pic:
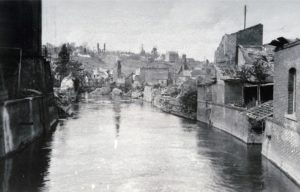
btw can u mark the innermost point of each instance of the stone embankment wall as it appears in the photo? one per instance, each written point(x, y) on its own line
point(212, 110)
point(233, 121)
point(281, 145)
point(23, 120)
point(229, 119)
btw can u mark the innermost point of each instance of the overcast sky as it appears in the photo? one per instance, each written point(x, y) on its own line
point(194, 27)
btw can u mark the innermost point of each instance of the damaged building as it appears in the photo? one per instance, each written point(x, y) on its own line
point(155, 73)
point(223, 100)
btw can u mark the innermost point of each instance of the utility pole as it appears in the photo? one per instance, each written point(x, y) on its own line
point(245, 16)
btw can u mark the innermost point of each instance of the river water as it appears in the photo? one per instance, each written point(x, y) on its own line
point(124, 146)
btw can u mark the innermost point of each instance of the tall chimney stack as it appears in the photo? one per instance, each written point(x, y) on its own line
point(98, 48)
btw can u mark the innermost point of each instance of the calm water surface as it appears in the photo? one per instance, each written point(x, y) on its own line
point(124, 146)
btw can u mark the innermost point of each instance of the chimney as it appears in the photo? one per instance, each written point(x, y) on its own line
point(119, 68)
point(104, 47)
point(184, 61)
point(98, 48)
point(184, 58)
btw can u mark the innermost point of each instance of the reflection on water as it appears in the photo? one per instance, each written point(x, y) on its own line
point(117, 115)
point(8, 139)
point(119, 145)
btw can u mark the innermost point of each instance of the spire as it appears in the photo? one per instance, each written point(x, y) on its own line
point(142, 50)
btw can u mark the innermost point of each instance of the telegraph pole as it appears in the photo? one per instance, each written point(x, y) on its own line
point(245, 16)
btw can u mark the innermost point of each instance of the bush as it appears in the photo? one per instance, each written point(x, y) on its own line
point(188, 102)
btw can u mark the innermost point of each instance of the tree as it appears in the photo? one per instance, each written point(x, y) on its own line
point(257, 73)
point(63, 60)
point(188, 102)
point(154, 52)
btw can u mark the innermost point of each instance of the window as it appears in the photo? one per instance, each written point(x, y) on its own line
point(292, 91)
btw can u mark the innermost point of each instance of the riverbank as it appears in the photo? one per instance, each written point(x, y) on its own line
point(165, 103)
point(172, 106)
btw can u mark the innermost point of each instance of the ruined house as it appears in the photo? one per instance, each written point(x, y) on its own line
point(282, 132)
point(154, 73)
point(188, 69)
point(222, 100)
point(98, 77)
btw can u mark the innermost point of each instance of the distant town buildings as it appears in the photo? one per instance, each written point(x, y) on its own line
point(172, 56)
point(99, 73)
point(155, 73)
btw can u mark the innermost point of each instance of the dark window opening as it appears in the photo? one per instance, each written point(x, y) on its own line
point(292, 91)
point(250, 96)
point(266, 93)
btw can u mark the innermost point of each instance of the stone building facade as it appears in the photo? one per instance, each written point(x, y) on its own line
point(281, 142)
point(155, 75)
